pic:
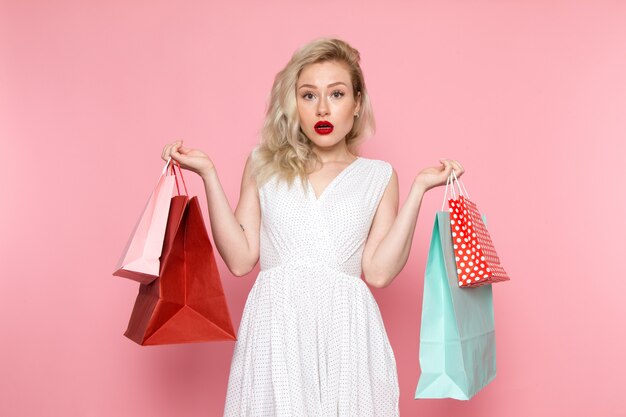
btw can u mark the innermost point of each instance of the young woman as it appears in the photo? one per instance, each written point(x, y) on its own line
point(311, 340)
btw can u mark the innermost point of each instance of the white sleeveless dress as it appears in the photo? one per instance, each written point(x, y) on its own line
point(311, 341)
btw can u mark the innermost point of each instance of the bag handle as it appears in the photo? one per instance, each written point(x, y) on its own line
point(450, 182)
point(458, 181)
point(167, 165)
point(173, 172)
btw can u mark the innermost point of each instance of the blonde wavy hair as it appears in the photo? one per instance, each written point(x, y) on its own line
point(284, 149)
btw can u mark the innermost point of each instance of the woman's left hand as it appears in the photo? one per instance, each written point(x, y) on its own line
point(435, 176)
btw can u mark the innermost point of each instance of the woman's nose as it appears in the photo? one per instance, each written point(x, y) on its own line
point(322, 108)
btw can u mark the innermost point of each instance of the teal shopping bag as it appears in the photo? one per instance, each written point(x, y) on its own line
point(457, 339)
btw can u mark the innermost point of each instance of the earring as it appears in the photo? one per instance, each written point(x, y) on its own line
point(356, 115)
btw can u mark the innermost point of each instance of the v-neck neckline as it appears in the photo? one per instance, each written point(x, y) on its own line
point(332, 182)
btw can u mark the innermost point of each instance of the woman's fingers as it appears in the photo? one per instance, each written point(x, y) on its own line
point(453, 164)
point(435, 176)
point(169, 150)
point(166, 151)
point(458, 168)
point(174, 152)
point(447, 166)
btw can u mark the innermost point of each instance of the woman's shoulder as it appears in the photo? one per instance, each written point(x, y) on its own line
point(381, 169)
point(379, 163)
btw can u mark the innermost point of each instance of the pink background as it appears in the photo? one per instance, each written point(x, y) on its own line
point(529, 96)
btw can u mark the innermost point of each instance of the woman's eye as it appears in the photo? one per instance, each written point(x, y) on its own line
point(334, 94)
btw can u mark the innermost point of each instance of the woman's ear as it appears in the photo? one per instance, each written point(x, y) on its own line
point(358, 102)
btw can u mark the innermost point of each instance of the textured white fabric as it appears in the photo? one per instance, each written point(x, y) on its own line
point(311, 340)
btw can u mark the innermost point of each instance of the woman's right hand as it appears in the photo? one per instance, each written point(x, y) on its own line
point(191, 159)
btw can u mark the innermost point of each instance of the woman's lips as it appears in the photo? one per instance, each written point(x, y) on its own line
point(323, 127)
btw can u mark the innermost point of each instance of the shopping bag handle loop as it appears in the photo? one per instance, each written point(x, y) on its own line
point(167, 165)
point(173, 172)
point(450, 182)
point(458, 181)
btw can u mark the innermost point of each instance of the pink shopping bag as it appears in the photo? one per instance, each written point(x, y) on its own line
point(140, 259)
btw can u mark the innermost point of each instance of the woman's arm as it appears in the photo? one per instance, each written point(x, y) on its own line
point(236, 235)
point(390, 238)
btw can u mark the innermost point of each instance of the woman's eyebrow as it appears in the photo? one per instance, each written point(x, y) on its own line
point(329, 85)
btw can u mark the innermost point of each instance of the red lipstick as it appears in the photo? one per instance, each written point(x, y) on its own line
point(323, 127)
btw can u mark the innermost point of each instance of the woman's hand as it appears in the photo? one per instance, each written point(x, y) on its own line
point(190, 159)
point(435, 176)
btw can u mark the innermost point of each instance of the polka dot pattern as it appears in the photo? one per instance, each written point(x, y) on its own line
point(312, 341)
point(476, 258)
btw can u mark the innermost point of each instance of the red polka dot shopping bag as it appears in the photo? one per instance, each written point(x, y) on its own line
point(476, 259)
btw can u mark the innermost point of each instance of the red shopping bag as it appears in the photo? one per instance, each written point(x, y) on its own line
point(186, 303)
point(140, 258)
point(476, 259)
